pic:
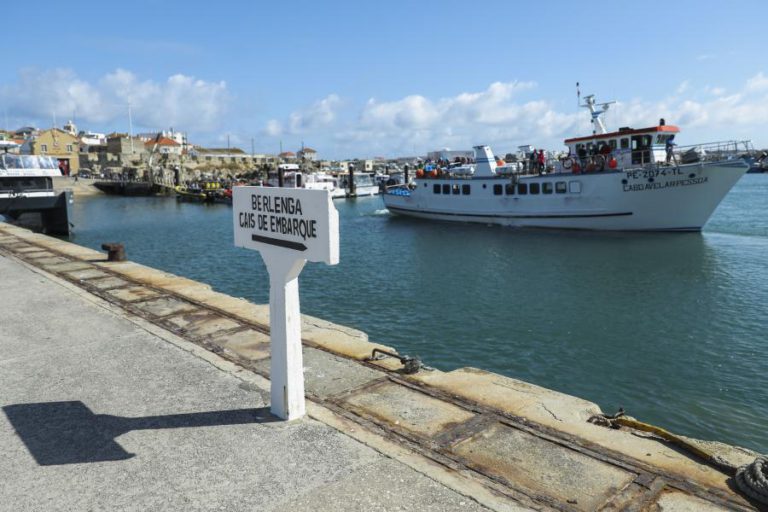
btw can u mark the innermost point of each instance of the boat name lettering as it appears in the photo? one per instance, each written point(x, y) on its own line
point(636, 187)
point(644, 174)
point(289, 205)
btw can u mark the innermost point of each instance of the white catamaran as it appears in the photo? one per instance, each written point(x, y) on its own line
point(630, 179)
point(27, 195)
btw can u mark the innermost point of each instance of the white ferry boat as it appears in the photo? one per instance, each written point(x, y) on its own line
point(27, 195)
point(627, 180)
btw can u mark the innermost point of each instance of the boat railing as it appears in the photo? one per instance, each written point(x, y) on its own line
point(713, 151)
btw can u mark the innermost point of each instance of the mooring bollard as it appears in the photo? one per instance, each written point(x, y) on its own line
point(115, 251)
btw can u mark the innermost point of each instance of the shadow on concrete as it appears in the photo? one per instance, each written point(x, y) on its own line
point(70, 433)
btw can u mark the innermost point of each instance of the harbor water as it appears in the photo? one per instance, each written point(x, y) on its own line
point(672, 327)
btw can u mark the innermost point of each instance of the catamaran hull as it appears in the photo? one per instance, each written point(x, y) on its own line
point(47, 211)
point(670, 198)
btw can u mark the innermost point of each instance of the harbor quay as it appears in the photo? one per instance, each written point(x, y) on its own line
point(123, 387)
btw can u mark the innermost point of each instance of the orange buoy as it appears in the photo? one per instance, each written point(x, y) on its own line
point(434, 173)
point(612, 163)
point(420, 173)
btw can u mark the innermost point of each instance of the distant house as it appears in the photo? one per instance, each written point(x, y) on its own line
point(307, 154)
point(125, 147)
point(363, 165)
point(164, 146)
point(287, 156)
point(59, 144)
point(179, 137)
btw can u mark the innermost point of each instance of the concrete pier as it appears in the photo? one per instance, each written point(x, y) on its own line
point(126, 388)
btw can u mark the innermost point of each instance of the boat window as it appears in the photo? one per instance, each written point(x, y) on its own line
point(497, 190)
point(547, 187)
point(510, 189)
point(641, 142)
point(522, 188)
point(436, 188)
point(534, 188)
point(612, 143)
point(465, 189)
point(662, 139)
point(455, 190)
point(446, 188)
point(574, 187)
point(560, 187)
point(625, 143)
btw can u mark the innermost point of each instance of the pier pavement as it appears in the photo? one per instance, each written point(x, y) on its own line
point(126, 388)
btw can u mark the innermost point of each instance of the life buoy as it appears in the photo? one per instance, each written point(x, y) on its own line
point(568, 163)
point(599, 163)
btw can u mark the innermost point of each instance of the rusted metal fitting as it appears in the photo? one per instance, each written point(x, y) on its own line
point(410, 364)
point(115, 251)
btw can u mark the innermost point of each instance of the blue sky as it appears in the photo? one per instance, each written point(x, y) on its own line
point(363, 79)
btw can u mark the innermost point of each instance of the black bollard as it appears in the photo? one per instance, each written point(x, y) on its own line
point(115, 251)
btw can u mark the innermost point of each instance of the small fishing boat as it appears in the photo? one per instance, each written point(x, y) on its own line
point(201, 192)
point(629, 179)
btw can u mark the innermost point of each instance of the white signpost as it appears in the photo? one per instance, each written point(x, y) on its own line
point(288, 227)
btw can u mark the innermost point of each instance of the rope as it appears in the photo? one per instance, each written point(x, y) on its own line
point(751, 479)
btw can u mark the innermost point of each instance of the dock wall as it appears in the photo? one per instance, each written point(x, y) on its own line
point(505, 442)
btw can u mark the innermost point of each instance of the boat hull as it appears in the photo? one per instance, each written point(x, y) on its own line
point(46, 211)
point(665, 198)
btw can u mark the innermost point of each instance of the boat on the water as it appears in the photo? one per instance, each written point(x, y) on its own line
point(360, 185)
point(626, 180)
point(126, 187)
point(27, 196)
point(292, 177)
point(203, 192)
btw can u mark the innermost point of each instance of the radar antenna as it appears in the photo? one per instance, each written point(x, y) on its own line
point(591, 104)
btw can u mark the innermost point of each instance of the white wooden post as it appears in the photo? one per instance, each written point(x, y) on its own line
point(286, 365)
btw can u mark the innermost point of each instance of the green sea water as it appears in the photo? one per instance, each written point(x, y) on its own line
point(672, 327)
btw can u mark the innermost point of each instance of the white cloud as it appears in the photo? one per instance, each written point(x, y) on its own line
point(501, 117)
point(179, 101)
point(759, 82)
point(321, 113)
point(274, 128)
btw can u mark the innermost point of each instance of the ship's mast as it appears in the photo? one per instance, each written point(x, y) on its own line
point(591, 104)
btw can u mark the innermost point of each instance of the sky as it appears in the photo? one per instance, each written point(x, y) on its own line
point(393, 78)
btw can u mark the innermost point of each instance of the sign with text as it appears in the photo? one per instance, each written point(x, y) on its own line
point(300, 221)
point(289, 227)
